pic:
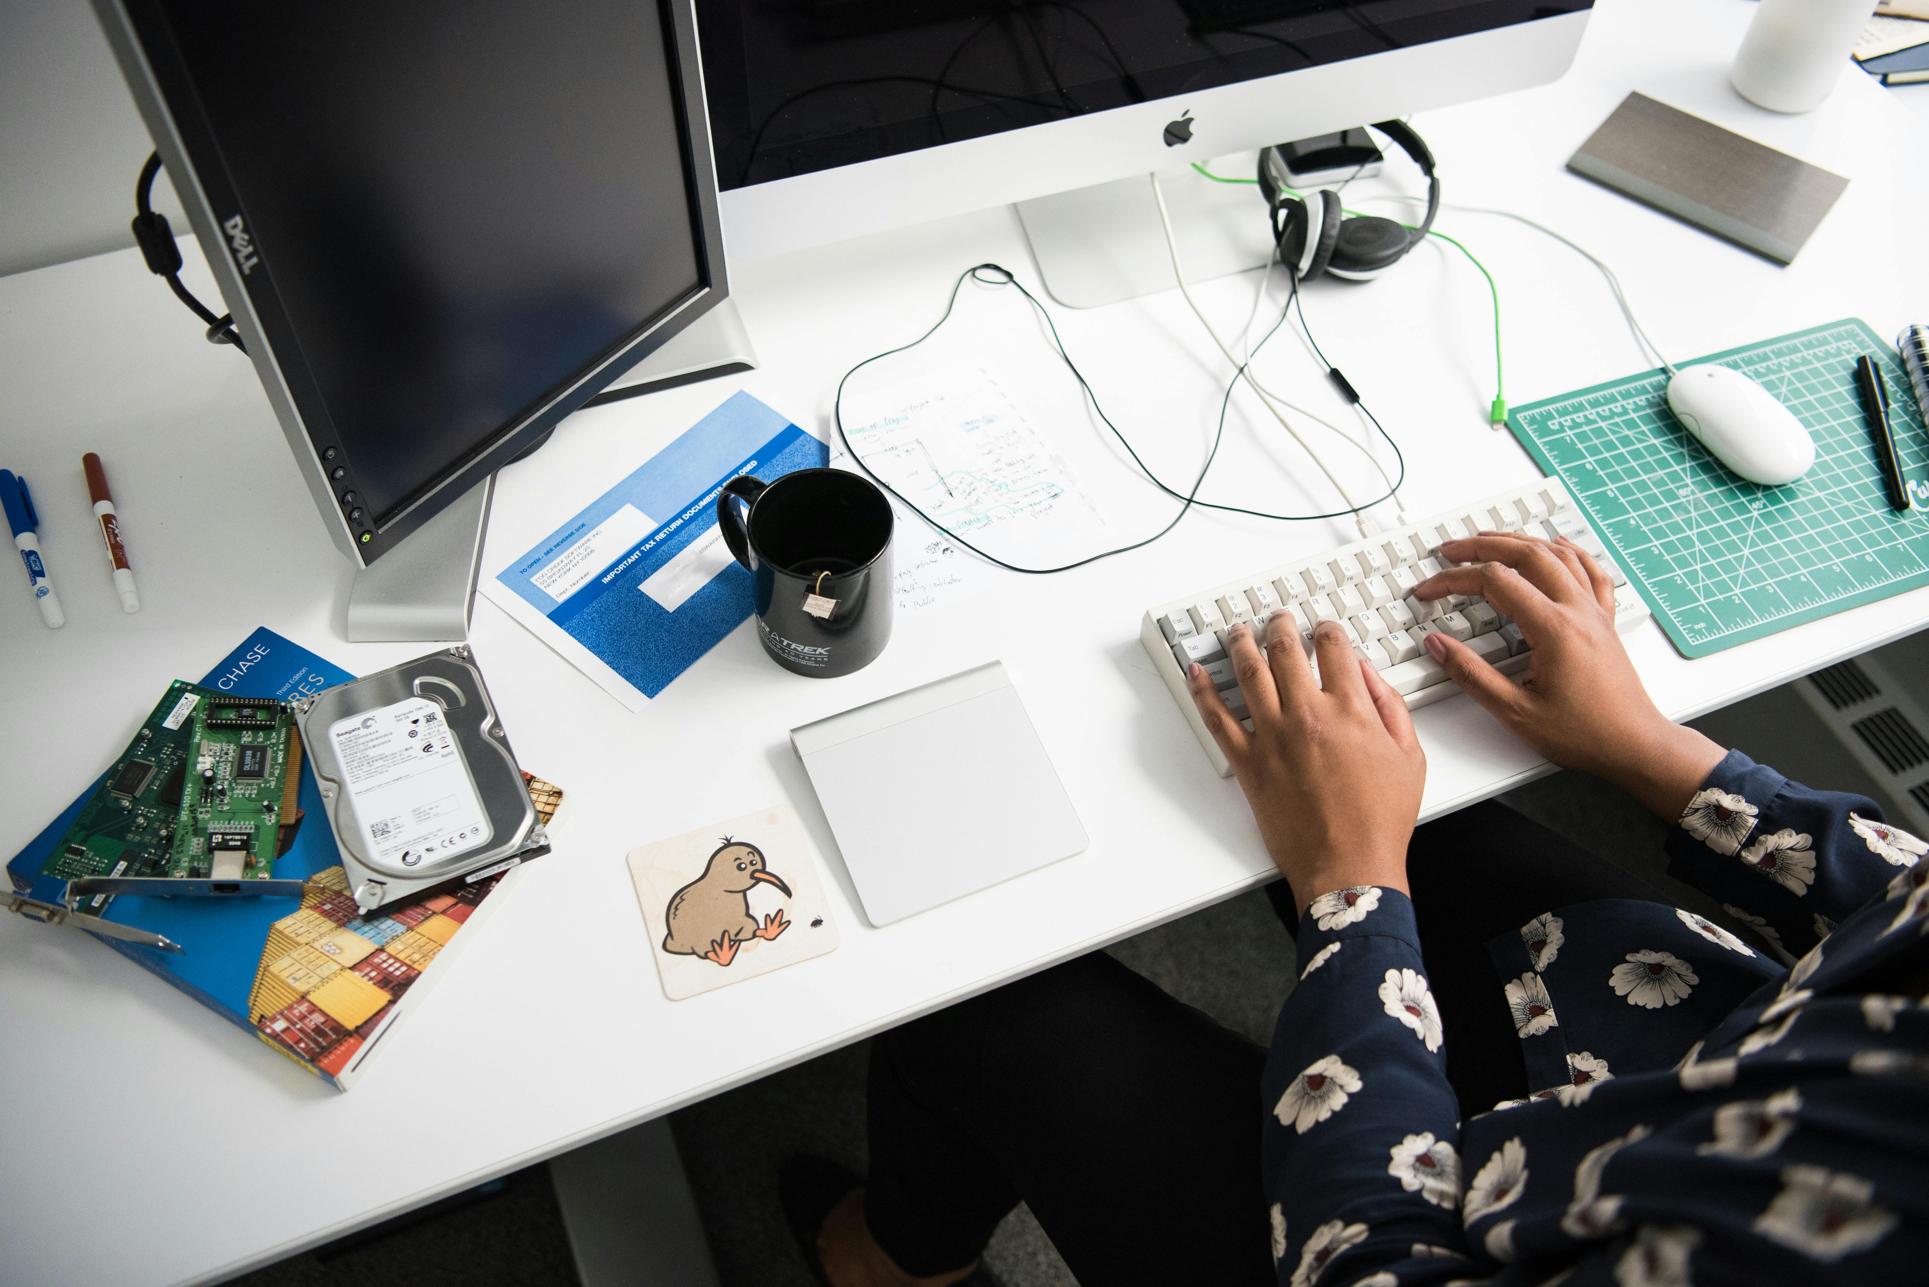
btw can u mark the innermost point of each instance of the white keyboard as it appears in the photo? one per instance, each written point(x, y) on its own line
point(1367, 587)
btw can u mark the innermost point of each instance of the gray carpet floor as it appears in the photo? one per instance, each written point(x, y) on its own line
point(513, 1233)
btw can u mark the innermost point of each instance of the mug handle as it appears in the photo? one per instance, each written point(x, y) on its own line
point(746, 489)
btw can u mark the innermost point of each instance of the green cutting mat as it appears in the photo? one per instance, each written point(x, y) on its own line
point(1722, 561)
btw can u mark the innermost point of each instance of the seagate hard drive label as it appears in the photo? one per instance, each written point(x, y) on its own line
point(404, 776)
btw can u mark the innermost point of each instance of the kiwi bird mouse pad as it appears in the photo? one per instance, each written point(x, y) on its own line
point(732, 901)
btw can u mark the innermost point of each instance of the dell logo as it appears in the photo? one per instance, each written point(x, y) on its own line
point(242, 244)
point(1179, 131)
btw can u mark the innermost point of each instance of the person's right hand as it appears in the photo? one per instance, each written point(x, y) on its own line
point(1579, 703)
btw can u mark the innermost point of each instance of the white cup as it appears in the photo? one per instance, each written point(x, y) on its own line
point(1796, 51)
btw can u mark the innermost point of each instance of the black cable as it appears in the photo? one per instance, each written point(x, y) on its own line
point(156, 241)
point(1004, 277)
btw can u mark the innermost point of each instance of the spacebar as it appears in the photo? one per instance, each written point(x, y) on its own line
point(1409, 677)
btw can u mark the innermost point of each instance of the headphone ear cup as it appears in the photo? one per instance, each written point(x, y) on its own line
point(1367, 246)
point(1290, 221)
point(1324, 235)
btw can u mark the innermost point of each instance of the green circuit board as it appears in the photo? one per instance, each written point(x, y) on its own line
point(202, 792)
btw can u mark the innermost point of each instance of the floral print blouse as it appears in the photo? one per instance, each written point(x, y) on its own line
point(1709, 1108)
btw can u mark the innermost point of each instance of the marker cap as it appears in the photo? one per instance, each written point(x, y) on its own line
point(18, 502)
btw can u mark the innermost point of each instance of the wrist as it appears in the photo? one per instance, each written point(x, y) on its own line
point(1673, 764)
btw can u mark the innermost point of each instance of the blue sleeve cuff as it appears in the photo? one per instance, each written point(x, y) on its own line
point(1358, 911)
point(1783, 858)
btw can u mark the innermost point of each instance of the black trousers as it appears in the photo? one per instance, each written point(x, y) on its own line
point(1130, 1123)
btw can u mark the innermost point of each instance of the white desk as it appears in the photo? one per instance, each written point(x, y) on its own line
point(147, 1141)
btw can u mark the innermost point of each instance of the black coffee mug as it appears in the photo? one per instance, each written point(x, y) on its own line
point(818, 543)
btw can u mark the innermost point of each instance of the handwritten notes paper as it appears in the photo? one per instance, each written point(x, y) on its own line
point(968, 456)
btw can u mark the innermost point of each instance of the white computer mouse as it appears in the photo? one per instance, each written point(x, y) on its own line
point(1741, 424)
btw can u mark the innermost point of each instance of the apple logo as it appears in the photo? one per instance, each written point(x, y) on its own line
point(1179, 131)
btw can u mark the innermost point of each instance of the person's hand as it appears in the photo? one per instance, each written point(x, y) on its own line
point(1332, 771)
point(1579, 703)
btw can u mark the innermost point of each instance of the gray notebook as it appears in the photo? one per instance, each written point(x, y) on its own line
point(1713, 178)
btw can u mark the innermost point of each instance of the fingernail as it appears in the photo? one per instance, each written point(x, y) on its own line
point(1194, 670)
point(1436, 645)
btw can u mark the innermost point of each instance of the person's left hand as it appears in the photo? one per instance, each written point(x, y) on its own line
point(1331, 768)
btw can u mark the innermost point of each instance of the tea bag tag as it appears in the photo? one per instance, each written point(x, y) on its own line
point(815, 603)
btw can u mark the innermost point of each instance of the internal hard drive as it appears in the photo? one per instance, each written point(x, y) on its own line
point(421, 786)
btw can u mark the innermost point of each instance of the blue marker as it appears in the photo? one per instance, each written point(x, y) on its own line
point(22, 519)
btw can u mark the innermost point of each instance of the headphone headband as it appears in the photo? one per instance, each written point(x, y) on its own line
point(1383, 241)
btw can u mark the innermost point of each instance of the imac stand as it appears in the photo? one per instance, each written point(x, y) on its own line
point(425, 588)
point(1103, 244)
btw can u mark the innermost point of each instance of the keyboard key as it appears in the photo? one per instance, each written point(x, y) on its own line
point(1457, 625)
point(1516, 642)
point(1371, 625)
point(1234, 608)
point(1320, 608)
point(1533, 507)
point(1373, 561)
point(1345, 571)
point(1301, 617)
point(1421, 631)
point(1401, 646)
point(1263, 600)
point(1430, 567)
point(1349, 601)
point(1289, 587)
point(1482, 617)
point(1409, 677)
point(1398, 615)
point(1378, 590)
point(1428, 609)
point(1204, 649)
point(1489, 647)
point(1404, 579)
point(1176, 625)
point(1318, 579)
point(1374, 653)
point(1220, 673)
point(1206, 619)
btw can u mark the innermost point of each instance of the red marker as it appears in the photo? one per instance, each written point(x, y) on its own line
point(110, 530)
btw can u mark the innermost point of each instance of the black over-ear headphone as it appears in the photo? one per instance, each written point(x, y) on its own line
point(1315, 236)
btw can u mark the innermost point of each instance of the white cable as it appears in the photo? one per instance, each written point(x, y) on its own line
point(1366, 427)
point(1178, 271)
point(1614, 282)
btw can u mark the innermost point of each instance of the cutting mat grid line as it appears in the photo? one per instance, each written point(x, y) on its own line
point(1722, 561)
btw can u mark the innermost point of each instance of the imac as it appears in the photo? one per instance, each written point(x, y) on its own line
point(441, 227)
point(835, 118)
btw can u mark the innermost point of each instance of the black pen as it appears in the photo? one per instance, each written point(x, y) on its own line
point(1875, 405)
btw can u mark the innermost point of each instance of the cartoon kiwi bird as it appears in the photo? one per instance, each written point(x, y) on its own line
point(710, 916)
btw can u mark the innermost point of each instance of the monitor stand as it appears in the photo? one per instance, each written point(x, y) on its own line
point(1103, 244)
point(424, 590)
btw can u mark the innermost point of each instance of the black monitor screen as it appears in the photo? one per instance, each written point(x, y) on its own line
point(460, 208)
point(802, 85)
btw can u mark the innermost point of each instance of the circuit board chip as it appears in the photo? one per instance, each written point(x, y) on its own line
point(237, 714)
point(132, 778)
point(252, 763)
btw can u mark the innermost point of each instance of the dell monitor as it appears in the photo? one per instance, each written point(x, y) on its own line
point(441, 227)
point(833, 118)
